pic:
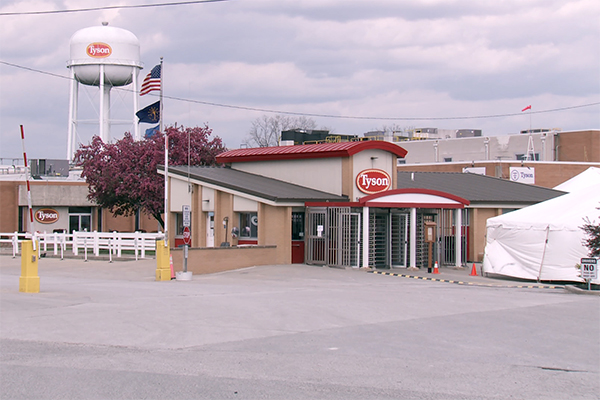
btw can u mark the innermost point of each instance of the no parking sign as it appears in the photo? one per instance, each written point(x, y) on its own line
point(589, 268)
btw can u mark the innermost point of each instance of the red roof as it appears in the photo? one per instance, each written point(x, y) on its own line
point(322, 150)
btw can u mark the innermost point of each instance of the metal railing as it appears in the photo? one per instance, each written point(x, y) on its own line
point(110, 243)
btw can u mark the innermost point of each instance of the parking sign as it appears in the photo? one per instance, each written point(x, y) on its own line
point(186, 216)
point(589, 268)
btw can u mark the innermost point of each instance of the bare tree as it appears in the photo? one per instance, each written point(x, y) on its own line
point(393, 128)
point(265, 130)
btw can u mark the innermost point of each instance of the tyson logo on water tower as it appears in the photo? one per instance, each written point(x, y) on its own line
point(98, 50)
point(372, 181)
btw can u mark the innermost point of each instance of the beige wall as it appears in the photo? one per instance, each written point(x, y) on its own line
point(218, 259)
point(477, 233)
point(368, 159)
point(323, 174)
point(275, 228)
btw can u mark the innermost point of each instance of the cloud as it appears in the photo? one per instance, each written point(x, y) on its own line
point(427, 58)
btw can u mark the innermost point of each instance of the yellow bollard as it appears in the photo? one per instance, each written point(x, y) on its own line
point(163, 266)
point(29, 282)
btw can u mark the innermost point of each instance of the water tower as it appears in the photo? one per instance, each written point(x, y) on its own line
point(102, 56)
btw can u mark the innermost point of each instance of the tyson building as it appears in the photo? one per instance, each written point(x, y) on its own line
point(335, 204)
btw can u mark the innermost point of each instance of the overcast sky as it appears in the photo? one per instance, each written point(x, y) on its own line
point(353, 66)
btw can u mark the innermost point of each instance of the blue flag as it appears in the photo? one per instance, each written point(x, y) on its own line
point(150, 114)
point(151, 132)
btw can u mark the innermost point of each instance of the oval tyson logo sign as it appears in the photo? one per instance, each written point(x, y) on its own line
point(98, 50)
point(46, 215)
point(372, 181)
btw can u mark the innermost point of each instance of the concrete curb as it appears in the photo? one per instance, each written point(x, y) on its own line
point(576, 290)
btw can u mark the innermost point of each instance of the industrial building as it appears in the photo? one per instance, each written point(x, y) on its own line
point(336, 204)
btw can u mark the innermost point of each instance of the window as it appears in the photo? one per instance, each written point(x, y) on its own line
point(447, 159)
point(523, 157)
point(249, 225)
point(179, 223)
point(80, 219)
point(297, 225)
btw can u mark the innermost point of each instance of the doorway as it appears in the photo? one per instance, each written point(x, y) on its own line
point(388, 238)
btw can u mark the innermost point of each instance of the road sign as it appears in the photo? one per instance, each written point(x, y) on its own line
point(187, 236)
point(589, 268)
point(187, 210)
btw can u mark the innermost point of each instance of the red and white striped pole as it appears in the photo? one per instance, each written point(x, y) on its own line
point(28, 187)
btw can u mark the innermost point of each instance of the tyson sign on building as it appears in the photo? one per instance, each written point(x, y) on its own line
point(372, 181)
point(46, 216)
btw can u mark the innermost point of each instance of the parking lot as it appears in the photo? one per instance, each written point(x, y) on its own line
point(100, 330)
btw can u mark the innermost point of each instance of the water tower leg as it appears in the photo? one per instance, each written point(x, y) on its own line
point(73, 100)
point(106, 116)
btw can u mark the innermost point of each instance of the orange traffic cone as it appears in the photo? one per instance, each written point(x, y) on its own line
point(473, 271)
point(171, 261)
point(435, 268)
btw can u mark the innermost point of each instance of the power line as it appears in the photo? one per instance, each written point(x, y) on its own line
point(75, 10)
point(357, 117)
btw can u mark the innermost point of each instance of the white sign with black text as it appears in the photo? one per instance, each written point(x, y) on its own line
point(187, 220)
point(522, 175)
point(589, 268)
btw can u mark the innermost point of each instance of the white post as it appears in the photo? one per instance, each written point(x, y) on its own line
point(75, 244)
point(85, 246)
point(143, 246)
point(15, 243)
point(55, 242)
point(458, 236)
point(413, 238)
point(96, 243)
point(365, 237)
point(119, 245)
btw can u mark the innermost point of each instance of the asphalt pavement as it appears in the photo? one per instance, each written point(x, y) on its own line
point(100, 330)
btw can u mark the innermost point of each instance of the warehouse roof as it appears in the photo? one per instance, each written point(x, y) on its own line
point(306, 151)
point(477, 188)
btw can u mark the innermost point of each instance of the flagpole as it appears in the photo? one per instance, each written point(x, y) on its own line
point(162, 77)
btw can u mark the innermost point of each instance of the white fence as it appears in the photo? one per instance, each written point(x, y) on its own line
point(114, 243)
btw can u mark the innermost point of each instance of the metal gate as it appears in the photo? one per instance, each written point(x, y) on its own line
point(333, 236)
point(399, 240)
point(447, 229)
point(388, 239)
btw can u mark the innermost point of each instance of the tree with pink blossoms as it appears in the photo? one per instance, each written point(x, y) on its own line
point(122, 176)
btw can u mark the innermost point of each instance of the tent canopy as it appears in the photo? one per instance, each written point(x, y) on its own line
point(545, 241)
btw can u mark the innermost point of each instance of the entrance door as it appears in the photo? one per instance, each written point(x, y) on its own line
point(399, 240)
point(388, 238)
point(297, 237)
point(80, 219)
point(333, 237)
point(316, 222)
point(210, 229)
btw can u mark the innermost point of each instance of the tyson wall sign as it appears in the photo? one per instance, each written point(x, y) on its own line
point(46, 215)
point(372, 181)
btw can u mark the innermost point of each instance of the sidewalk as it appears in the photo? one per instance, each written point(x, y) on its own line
point(462, 276)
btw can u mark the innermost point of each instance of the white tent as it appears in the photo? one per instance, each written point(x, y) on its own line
point(545, 241)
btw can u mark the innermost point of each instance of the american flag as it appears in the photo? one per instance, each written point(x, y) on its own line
point(151, 82)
